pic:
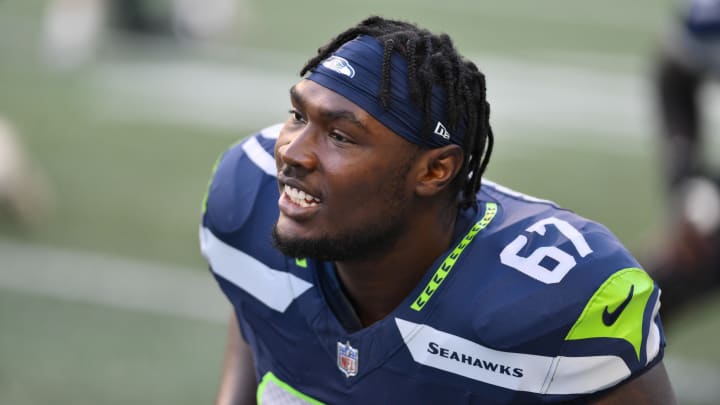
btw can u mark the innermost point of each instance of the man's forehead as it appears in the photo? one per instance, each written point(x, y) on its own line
point(335, 107)
point(306, 89)
point(328, 103)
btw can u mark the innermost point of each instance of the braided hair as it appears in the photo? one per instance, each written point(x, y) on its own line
point(432, 60)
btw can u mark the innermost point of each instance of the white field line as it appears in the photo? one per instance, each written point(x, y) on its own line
point(192, 294)
point(526, 98)
point(523, 97)
point(121, 283)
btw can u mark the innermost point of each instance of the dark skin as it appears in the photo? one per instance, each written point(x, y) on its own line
point(335, 151)
point(238, 383)
point(339, 154)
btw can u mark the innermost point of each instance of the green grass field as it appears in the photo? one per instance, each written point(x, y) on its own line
point(127, 141)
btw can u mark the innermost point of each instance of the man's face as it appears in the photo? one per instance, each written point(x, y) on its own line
point(344, 187)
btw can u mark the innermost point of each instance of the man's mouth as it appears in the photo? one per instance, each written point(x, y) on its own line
point(300, 197)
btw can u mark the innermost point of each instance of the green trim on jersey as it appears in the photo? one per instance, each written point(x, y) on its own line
point(207, 189)
point(212, 173)
point(617, 308)
point(301, 262)
point(447, 264)
point(269, 379)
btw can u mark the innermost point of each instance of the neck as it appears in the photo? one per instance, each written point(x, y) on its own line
point(377, 285)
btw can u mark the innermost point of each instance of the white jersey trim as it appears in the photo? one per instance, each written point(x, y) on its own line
point(653, 341)
point(271, 132)
point(513, 193)
point(516, 371)
point(260, 156)
point(274, 288)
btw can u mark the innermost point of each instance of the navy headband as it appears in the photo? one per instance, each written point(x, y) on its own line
point(355, 72)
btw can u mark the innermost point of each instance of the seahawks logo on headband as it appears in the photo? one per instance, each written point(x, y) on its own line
point(361, 60)
point(340, 65)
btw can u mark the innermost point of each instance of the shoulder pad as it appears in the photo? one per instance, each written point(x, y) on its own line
point(617, 310)
point(243, 177)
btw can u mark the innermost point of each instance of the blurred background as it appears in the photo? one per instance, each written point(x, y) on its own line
point(113, 112)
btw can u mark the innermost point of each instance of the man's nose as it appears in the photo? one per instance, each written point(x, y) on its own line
point(298, 148)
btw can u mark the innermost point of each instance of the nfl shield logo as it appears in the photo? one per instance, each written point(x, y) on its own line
point(347, 359)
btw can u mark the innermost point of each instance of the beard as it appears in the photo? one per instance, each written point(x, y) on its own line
point(369, 241)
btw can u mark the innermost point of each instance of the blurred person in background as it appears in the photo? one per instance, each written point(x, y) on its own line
point(686, 260)
point(73, 28)
point(395, 273)
point(24, 194)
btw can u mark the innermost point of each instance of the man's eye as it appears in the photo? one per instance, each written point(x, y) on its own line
point(296, 116)
point(339, 137)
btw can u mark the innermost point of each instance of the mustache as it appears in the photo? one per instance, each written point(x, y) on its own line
point(291, 171)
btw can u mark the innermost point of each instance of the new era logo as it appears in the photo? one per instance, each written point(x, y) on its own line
point(442, 131)
point(340, 65)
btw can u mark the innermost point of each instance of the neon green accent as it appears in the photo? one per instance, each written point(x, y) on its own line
point(207, 189)
point(269, 376)
point(447, 264)
point(301, 262)
point(610, 295)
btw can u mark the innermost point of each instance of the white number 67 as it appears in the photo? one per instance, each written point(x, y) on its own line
point(531, 265)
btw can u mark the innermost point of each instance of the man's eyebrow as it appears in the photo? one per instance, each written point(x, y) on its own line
point(330, 115)
point(296, 97)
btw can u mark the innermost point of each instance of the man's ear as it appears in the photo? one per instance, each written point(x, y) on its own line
point(439, 166)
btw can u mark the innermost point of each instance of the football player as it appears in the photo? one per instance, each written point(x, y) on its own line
point(368, 261)
point(686, 261)
point(24, 191)
point(73, 28)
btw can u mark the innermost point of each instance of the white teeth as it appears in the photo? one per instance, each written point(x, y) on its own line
point(300, 197)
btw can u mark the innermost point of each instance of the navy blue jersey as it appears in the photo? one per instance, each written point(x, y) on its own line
point(530, 304)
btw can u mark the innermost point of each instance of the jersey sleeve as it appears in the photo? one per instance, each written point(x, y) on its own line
point(582, 302)
point(614, 320)
point(242, 178)
point(238, 216)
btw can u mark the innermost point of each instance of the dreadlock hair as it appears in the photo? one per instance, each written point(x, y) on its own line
point(432, 60)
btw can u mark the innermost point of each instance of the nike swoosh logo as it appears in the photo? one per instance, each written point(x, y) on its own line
point(609, 318)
